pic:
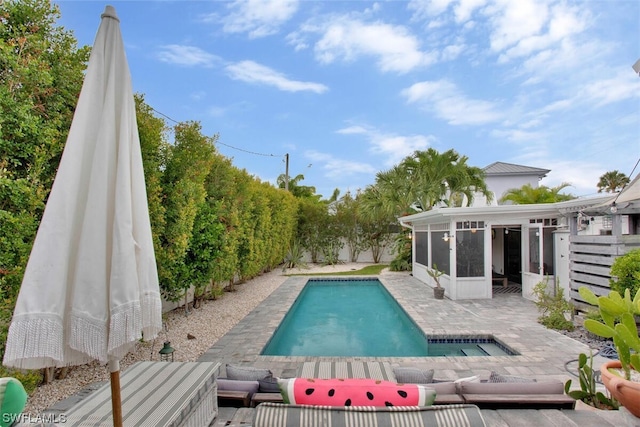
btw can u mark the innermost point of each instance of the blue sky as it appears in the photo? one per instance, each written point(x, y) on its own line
point(349, 88)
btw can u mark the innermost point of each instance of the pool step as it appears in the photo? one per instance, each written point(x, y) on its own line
point(492, 349)
point(473, 351)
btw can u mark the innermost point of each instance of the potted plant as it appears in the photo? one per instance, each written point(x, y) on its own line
point(438, 291)
point(621, 377)
point(588, 394)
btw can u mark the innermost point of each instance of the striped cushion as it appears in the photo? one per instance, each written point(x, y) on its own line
point(357, 369)
point(154, 394)
point(283, 415)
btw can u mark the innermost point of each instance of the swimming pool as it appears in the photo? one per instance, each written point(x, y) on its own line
point(358, 317)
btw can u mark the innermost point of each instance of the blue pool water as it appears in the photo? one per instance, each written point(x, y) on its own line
point(360, 318)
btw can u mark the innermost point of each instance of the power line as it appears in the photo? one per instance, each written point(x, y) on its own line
point(219, 142)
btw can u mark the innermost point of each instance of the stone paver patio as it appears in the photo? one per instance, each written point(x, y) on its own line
point(509, 318)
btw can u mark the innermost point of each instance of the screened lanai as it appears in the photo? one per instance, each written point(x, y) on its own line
point(481, 249)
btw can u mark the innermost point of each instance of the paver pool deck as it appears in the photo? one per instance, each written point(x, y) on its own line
point(509, 318)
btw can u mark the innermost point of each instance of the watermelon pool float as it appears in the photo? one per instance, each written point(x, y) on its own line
point(353, 392)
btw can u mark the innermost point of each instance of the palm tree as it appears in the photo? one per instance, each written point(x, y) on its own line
point(443, 177)
point(612, 182)
point(294, 186)
point(527, 195)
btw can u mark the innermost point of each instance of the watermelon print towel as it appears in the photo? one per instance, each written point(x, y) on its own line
point(353, 392)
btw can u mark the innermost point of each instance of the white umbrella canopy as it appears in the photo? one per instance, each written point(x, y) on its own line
point(90, 288)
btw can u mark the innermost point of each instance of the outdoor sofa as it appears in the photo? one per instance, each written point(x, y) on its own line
point(496, 392)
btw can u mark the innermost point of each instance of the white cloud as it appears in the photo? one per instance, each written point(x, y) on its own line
point(446, 101)
point(252, 72)
point(338, 168)
point(352, 130)
point(424, 9)
point(465, 8)
point(517, 135)
point(393, 46)
point(189, 56)
point(583, 176)
point(258, 18)
point(515, 21)
point(623, 85)
point(393, 147)
point(348, 39)
point(550, 28)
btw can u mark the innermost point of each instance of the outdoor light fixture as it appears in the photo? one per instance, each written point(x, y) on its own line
point(614, 208)
point(447, 236)
point(506, 231)
point(166, 353)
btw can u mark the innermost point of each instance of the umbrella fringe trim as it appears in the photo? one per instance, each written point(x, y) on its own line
point(151, 315)
point(88, 336)
point(125, 328)
point(29, 344)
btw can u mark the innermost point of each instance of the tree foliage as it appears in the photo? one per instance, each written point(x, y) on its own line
point(41, 73)
point(527, 195)
point(423, 180)
point(612, 182)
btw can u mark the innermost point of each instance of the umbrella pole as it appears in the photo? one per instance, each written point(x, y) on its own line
point(116, 401)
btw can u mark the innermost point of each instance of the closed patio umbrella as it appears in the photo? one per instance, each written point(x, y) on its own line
point(90, 288)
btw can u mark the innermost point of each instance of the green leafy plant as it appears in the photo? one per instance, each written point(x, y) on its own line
point(618, 315)
point(294, 256)
point(435, 274)
point(588, 392)
point(552, 306)
point(625, 272)
point(402, 246)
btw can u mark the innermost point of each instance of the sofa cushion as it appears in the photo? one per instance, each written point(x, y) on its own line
point(546, 387)
point(246, 373)
point(448, 387)
point(269, 385)
point(499, 378)
point(250, 387)
point(413, 375)
point(354, 392)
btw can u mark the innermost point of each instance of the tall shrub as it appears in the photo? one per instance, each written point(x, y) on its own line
point(625, 272)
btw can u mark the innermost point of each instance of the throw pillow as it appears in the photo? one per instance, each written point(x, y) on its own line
point(269, 385)
point(499, 378)
point(247, 373)
point(413, 375)
point(354, 392)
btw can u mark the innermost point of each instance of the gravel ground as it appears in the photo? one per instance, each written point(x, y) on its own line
point(206, 324)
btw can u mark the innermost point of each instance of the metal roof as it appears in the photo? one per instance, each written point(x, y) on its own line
point(501, 168)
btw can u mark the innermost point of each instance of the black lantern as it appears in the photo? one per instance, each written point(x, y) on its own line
point(166, 353)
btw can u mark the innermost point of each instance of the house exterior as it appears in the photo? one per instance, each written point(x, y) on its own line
point(481, 245)
point(501, 177)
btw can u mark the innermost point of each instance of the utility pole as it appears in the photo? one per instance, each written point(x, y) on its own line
point(286, 172)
